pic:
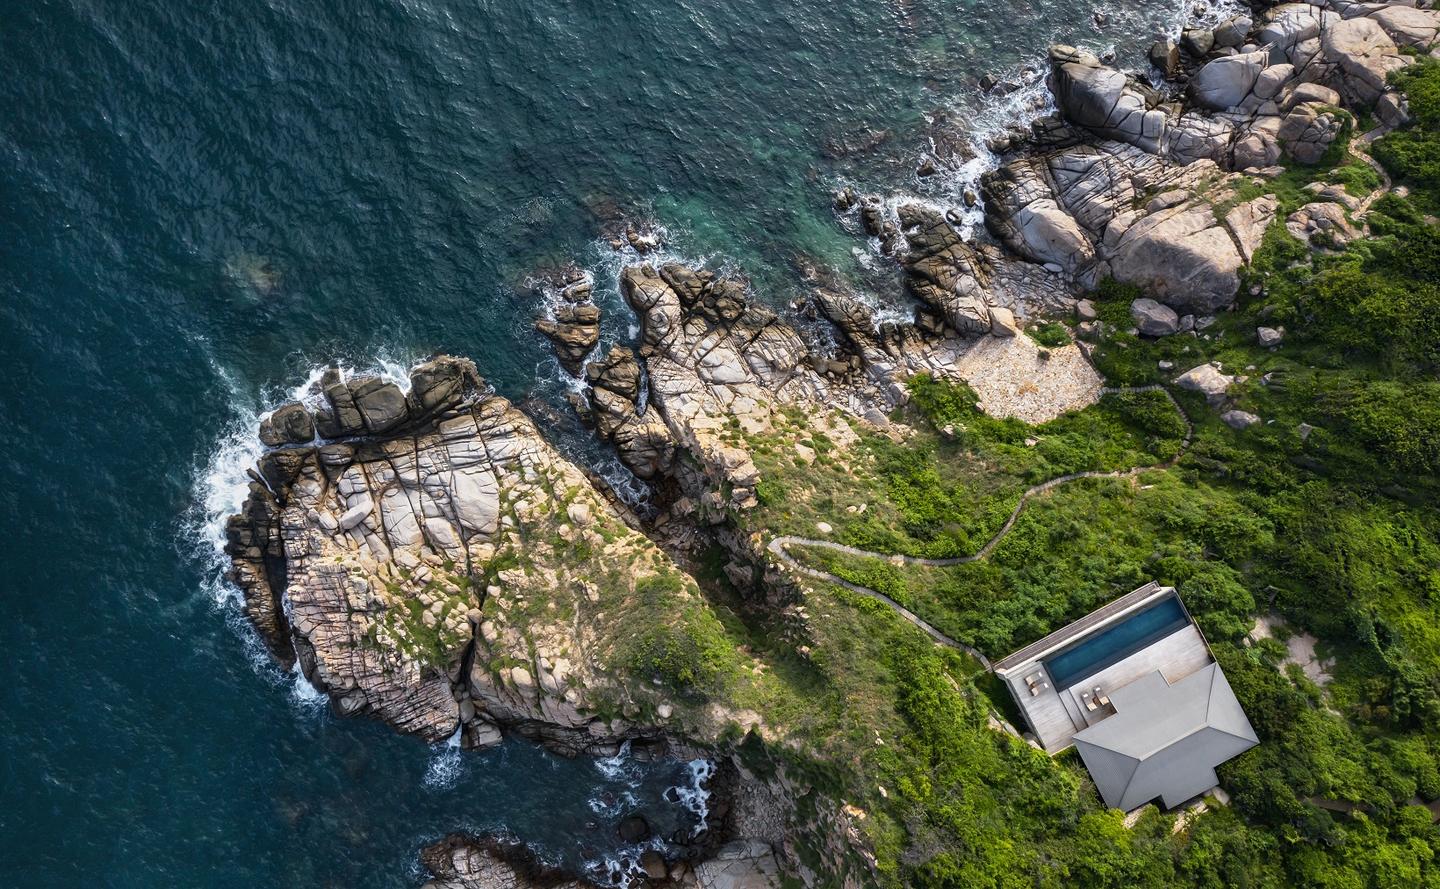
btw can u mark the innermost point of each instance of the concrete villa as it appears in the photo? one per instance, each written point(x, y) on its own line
point(1134, 687)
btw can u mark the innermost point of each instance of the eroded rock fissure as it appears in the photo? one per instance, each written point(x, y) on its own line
point(1131, 182)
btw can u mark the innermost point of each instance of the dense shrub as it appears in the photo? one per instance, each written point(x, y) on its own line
point(1219, 600)
point(1383, 297)
point(689, 653)
point(1150, 412)
point(942, 403)
point(1051, 334)
point(1398, 423)
point(1412, 155)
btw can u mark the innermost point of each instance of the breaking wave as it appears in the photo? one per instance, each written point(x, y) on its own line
point(695, 796)
point(221, 483)
point(446, 766)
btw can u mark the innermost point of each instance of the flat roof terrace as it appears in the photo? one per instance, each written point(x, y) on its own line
point(1149, 635)
point(1105, 614)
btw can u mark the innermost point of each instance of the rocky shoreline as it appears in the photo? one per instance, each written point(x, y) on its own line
point(430, 560)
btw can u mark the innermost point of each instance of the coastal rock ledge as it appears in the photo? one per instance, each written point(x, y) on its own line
point(425, 557)
point(430, 560)
point(466, 862)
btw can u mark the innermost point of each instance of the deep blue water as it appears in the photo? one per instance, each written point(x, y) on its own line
point(201, 201)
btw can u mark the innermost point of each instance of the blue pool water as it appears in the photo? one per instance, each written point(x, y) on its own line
point(1113, 645)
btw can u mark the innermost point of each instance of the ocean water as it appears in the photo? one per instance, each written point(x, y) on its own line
point(201, 202)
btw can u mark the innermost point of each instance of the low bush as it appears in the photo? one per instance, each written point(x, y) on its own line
point(689, 651)
point(1412, 155)
point(1050, 334)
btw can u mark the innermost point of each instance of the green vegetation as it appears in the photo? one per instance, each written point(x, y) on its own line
point(1379, 301)
point(1252, 522)
point(689, 653)
point(434, 641)
point(1412, 155)
point(1326, 516)
point(1336, 167)
point(1050, 334)
point(945, 489)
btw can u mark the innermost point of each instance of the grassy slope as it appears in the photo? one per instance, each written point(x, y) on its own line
point(944, 494)
point(1338, 530)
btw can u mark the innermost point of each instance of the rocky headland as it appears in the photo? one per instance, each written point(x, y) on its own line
point(430, 560)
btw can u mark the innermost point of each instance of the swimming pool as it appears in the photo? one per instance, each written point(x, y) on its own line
point(1115, 643)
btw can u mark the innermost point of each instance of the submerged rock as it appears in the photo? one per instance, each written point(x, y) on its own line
point(1165, 55)
point(573, 325)
point(633, 829)
point(467, 862)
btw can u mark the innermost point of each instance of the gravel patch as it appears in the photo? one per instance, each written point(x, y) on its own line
point(1012, 380)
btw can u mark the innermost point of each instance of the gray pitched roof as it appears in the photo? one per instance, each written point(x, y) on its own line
point(1165, 740)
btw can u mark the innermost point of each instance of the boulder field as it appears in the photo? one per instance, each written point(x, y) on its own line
point(429, 559)
point(1145, 185)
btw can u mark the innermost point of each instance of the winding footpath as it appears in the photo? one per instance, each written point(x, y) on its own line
point(1385, 183)
point(1359, 148)
point(778, 546)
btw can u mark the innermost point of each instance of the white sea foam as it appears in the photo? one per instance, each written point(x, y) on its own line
point(695, 796)
point(995, 115)
point(221, 485)
point(608, 800)
point(605, 272)
point(618, 767)
point(609, 804)
point(610, 263)
point(622, 866)
point(303, 693)
point(446, 766)
point(633, 492)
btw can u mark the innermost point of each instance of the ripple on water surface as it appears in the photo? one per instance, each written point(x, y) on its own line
point(204, 203)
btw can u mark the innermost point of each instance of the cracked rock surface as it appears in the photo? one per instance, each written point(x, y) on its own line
point(1139, 183)
point(439, 566)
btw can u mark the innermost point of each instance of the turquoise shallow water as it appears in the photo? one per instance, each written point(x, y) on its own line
point(202, 201)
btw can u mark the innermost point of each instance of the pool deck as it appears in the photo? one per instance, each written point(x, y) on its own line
point(1105, 614)
point(1057, 714)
